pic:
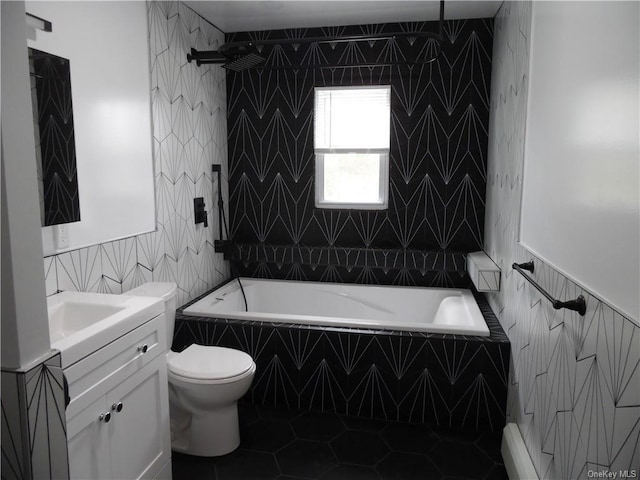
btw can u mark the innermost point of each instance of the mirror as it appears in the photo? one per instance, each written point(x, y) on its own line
point(54, 138)
point(107, 45)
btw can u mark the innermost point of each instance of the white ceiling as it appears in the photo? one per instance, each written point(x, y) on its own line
point(249, 15)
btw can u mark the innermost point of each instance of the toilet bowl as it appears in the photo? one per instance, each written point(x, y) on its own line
point(205, 384)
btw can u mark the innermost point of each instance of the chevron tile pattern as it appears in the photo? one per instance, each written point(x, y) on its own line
point(438, 147)
point(47, 423)
point(55, 140)
point(574, 389)
point(33, 423)
point(189, 135)
point(444, 380)
point(351, 265)
point(14, 456)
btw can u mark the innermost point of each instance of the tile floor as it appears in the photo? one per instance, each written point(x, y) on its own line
point(290, 445)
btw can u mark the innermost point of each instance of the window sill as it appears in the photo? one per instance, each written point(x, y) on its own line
point(351, 206)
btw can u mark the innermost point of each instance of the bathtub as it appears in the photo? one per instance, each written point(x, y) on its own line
point(416, 309)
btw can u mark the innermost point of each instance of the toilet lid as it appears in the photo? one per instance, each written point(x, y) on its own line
point(198, 361)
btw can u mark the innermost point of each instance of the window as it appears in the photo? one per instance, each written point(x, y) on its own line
point(352, 147)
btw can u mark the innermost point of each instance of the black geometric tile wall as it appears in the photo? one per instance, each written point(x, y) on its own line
point(574, 389)
point(439, 119)
point(33, 422)
point(55, 142)
point(447, 380)
point(351, 265)
point(189, 135)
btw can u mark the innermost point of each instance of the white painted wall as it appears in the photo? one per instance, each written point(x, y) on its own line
point(574, 388)
point(25, 329)
point(108, 48)
point(580, 205)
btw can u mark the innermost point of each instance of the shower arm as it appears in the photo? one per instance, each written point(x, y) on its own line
point(224, 53)
point(218, 57)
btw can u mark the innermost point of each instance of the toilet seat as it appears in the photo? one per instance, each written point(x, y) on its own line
point(202, 363)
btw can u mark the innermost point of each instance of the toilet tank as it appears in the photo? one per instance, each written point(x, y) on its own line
point(166, 291)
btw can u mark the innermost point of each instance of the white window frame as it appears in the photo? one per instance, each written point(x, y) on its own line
point(383, 181)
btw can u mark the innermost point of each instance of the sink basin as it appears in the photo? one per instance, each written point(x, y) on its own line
point(81, 323)
point(68, 318)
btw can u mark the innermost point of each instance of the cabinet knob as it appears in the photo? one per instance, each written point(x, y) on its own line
point(105, 417)
point(143, 348)
point(117, 407)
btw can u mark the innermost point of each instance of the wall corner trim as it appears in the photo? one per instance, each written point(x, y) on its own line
point(515, 455)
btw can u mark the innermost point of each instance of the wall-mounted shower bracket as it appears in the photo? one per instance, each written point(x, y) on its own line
point(224, 247)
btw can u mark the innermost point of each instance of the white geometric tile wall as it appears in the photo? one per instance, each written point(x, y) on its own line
point(33, 422)
point(189, 135)
point(575, 380)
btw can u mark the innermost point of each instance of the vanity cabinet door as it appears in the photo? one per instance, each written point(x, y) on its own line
point(88, 443)
point(139, 437)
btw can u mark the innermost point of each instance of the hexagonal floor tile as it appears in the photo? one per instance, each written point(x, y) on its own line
point(405, 437)
point(490, 443)
point(248, 414)
point(446, 456)
point(366, 424)
point(188, 466)
point(351, 472)
point(246, 464)
point(317, 426)
point(362, 448)
point(407, 466)
point(304, 458)
point(267, 435)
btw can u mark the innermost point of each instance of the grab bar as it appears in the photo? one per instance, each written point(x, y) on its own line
point(579, 305)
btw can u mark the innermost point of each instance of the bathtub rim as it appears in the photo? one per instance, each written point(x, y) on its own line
point(496, 332)
point(473, 328)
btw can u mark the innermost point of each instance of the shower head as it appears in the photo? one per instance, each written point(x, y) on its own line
point(235, 59)
point(243, 62)
point(240, 57)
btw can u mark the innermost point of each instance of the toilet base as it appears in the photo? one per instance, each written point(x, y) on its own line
point(207, 435)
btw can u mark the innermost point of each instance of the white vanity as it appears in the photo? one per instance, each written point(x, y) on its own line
point(113, 354)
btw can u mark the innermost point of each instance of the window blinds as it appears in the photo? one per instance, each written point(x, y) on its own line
point(355, 118)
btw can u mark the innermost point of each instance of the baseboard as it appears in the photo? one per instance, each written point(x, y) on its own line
point(515, 455)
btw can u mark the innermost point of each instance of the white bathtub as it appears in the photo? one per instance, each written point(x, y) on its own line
point(417, 309)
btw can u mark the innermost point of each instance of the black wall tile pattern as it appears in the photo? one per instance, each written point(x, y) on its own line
point(453, 381)
point(55, 145)
point(351, 265)
point(439, 122)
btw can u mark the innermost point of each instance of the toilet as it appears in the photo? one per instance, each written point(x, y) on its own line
point(205, 384)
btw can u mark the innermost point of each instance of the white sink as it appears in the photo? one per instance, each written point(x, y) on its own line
point(81, 323)
point(68, 318)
